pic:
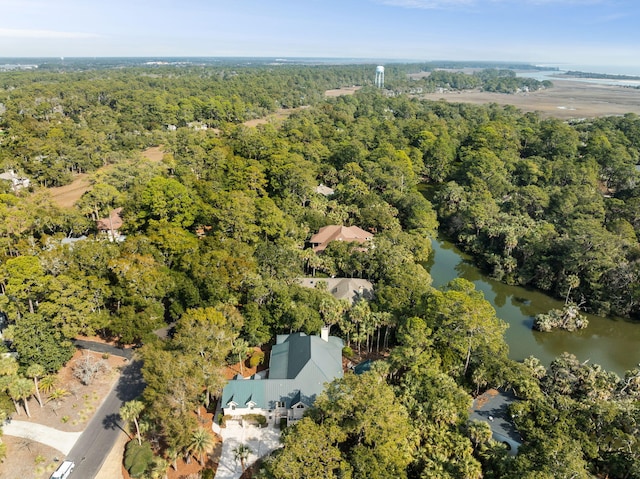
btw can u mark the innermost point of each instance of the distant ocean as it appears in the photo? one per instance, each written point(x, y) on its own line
point(552, 75)
point(631, 70)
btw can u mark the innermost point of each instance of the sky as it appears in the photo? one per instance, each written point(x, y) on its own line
point(584, 32)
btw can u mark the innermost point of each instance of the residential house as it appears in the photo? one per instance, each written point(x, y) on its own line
point(327, 234)
point(299, 367)
point(17, 182)
point(492, 407)
point(350, 289)
point(110, 226)
point(324, 190)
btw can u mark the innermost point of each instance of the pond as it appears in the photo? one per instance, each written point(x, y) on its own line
point(612, 343)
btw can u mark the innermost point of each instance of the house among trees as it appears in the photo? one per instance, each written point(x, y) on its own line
point(327, 234)
point(17, 182)
point(299, 367)
point(351, 289)
point(110, 226)
point(324, 190)
point(492, 407)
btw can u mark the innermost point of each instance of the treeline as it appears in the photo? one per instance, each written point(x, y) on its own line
point(492, 80)
point(217, 232)
point(605, 76)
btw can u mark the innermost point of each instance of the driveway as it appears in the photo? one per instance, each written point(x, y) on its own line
point(60, 440)
point(261, 441)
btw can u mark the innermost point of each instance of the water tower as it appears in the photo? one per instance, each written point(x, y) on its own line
point(380, 76)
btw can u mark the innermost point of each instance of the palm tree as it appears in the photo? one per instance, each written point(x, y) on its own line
point(130, 411)
point(47, 383)
point(159, 468)
point(201, 442)
point(36, 371)
point(172, 455)
point(21, 389)
point(241, 453)
point(58, 393)
point(573, 281)
point(241, 348)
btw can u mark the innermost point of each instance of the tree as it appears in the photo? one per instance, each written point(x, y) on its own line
point(130, 411)
point(465, 325)
point(367, 414)
point(309, 452)
point(241, 348)
point(206, 337)
point(241, 453)
point(201, 442)
point(21, 389)
point(166, 200)
point(38, 341)
point(36, 372)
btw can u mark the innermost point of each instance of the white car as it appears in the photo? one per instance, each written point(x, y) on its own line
point(64, 471)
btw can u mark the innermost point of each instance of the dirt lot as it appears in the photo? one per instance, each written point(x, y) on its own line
point(566, 100)
point(350, 90)
point(67, 195)
point(276, 117)
point(28, 459)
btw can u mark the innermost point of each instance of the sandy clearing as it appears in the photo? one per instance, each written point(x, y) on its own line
point(154, 153)
point(566, 100)
point(278, 116)
point(67, 195)
point(349, 90)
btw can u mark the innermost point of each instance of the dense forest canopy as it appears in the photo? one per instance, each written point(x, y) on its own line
point(217, 232)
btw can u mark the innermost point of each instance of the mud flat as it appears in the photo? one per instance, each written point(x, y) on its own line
point(565, 100)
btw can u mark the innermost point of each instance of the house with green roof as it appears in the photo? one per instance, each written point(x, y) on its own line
point(299, 367)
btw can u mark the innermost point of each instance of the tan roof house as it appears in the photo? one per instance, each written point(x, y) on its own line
point(350, 289)
point(327, 234)
point(111, 225)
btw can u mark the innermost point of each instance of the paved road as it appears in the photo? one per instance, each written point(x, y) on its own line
point(100, 435)
point(104, 348)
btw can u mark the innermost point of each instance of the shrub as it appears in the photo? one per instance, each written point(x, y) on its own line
point(224, 419)
point(137, 458)
point(207, 474)
point(259, 418)
point(256, 359)
point(283, 423)
point(87, 369)
point(347, 352)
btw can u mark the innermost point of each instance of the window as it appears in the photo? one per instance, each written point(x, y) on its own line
point(300, 406)
point(279, 404)
point(233, 407)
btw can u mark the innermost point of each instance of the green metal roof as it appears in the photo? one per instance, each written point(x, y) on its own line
point(299, 367)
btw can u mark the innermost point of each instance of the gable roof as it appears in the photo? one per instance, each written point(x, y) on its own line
point(342, 288)
point(299, 367)
point(330, 233)
point(112, 223)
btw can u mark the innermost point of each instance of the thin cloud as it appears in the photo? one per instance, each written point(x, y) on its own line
point(442, 4)
point(427, 4)
point(42, 34)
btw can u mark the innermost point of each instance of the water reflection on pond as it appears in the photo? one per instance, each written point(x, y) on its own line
point(612, 343)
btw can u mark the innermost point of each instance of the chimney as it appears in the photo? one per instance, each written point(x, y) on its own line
point(324, 333)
